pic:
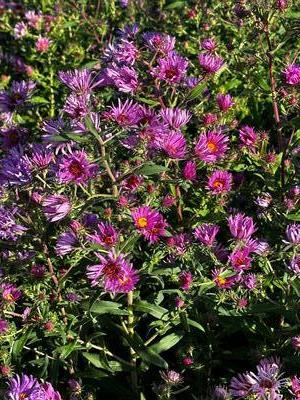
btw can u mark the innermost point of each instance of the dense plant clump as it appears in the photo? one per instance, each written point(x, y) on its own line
point(149, 186)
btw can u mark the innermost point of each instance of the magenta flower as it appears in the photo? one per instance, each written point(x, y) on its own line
point(3, 326)
point(33, 19)
point(211, 146)
point(124, 78)
point(49, 392)
point(249, 281)
point(210, 63)
point(296, 386)
point(75, 168)
point(38, 271)
point(175, 117)
point(132, 183)
point(219, 182)
point(56, 207)
point(124, 52)
point(293, 234)
point(190, 171)
point(240, 259)
point(295, 341)
point(124, 114)
point(171, 69)
point(114, 273)
point(20, 30)
point(105, 235)
point(209, 119)
point(185, 280)
point(241, 227)
point(173, 144)
point(292, 74)
point(76, 106)
point(248, 137)
point(295, 265)
point(42, 44)
point(209, 44)
point(149, 223)
point(224, 102)
point(221, 281)
point(10, 292)
point(206, 234)
point(159, 42)
point(80, 81)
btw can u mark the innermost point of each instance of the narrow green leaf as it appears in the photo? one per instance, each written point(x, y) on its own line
point(152, 309)
point(107, 307)
point(151, 169)
point(167, 342)
point(196, 91)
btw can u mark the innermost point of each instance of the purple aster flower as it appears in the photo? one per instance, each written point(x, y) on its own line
point(9, 229)
point(282, 4)
point(66, 243)
point(171, 377)
point(295, 341)
point(175, 117)
point(80, 81)
point(209, 119)
point(206, 233)
point(132, 183)
point(124, 3)
point(178, 243)
point(114, 272)
point(265, 383)
point(38, 271)
point(191, 81)
point(241, 227)
point(159, 42)
point(15, 168)
point(12, 136)
point(185, 280)
point(190, 171)
point(16, 96)
point(219, 182)
point(42, 44)
point(41, 157)
point(105, 235)
point(221, 281)
point(295, 265)
point(224, 102)
point(53, 128)
point(293, 234)
point(123, 52)
point(3, 326)
point(220, 252)
point(210, 63)
point(240, 259)
point(264, 200)
point(149, 223)
point(124, 114)
point(295, 383)
point(75, 168)
point(129, 31)
point(76, 106)
point(248, 137)
point(124, 78)
point(74, 385)
point(292, 74)
point(249, 281)
point(24, 387)
point(56, 207)
point(171, 69)
point(73, 297)
point(209, 44)
point(211, 146)
point(173, 144)
point(20, 30)
point(10, 292)
point(220, 393)
point(49, 392)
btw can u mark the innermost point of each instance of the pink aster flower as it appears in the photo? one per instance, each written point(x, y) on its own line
point(20, 30)
point(248, 137)
point(209, 44)
point(114, 273)
point(105, 235)
point(75, 168)
point(159, 42)
point(33, 18)
point(173, 144)
point(175, 117)
point(77, 106)
point(211, 146)
point(210, 63)
point(293, 234)
point(224, 102)
point(209, 119)
point(249, 281)
point(295, 265)
point(80, 81)
point(123, 77)
point(3, 326)
point(241, 227)
point(219, 182)
point(56, 207)
point(296, 386)
point(189, 171)
point(240, 259)
point(132, 183)
point(42, 44)
point(124, 114)
point(10, 292)
point(206, 233)
point(149, 222)
point(292, 74)
point(221, 281)
point(171, 69)
point(185, 280)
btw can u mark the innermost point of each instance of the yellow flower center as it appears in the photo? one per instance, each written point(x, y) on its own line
point(218, 184)
point(8, 297)
point(212, 147)
point(220, 280)
point(142, 222)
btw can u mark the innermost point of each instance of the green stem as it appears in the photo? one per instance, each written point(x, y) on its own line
point(134, 379)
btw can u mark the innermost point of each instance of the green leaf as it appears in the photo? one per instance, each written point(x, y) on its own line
point(149, 101)
point(90, 126)
point(151, 169)
point(129, 244)
point(152, 309)
point(295, 122)
point(196, 91)
point(175, 4)
point(107, 307)
point(195, 324)
point(167, 342)
point(19, 344)
point(65, 351)
point(38, 100)
point(148, 355)
point(293, 217)
point(97, 360)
